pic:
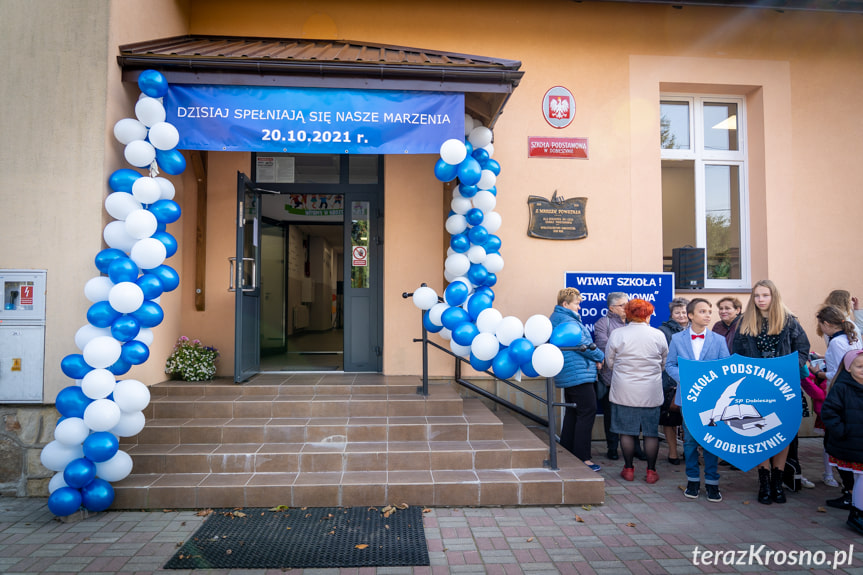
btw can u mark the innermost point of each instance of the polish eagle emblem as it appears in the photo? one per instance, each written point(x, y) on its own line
point(558, 107)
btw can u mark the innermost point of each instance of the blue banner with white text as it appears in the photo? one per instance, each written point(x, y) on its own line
point(313, 120)
point(657, 288)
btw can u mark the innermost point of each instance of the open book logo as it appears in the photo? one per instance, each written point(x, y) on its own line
point(741, 418)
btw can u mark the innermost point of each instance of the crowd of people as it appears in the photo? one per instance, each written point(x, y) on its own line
point(632, 374)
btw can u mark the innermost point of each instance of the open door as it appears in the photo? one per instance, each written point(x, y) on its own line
point(245, 281)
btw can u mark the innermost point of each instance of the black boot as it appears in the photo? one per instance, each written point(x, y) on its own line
point(855, 520)
point(841, 502)
point(764, 486)
point(776, 492)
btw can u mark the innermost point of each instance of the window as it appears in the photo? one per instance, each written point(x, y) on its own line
point(704, 200)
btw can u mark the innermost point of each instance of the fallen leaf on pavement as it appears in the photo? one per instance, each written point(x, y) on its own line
point(529, 539)
point(360, 546)
point(630, 524)
point(578, 519)
point(821, 510)
point(204, 512)
point(587, 507)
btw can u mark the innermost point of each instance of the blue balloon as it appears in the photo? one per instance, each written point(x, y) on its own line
point(477, 274)
point(453, 316)
point(479, 364)
point(469, 171)
point(161, 226)
point(123, 270)
point(566, 334)
point(79, 472)
point(122, 180)
point(151, 285)
point(521, 350)
point(64, 501)
point(120, 367)
point(101, 314)
point(135, 352)
point(169, 241)
point(150, 314)
point(101, 446)
point(166, 211)
point(459, 243)
point(153, 83)
point(74, 366)
point(478, 235)
point(503, 365)
point(477, 303)
point(474, 216)
point(106, 256)
point(493, 166)
point(527, 369)
point(490, 280)
point(484, 290)
point(71, 401)
point(445, 172)
point(167, 275)
point(427, 323)
point(455, 293)
point(492, 244)
point(464, 333)
point(98, 495)
point(125, 328)
point(467, 191)
point(171, 161)
point(468, 146)
point(480, 155)
point(493, 190)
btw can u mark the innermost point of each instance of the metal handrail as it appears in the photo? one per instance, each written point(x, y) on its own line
point(549, 423)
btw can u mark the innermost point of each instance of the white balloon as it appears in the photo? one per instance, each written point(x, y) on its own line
point(116, 236)
point(537, 329)
point(148, 253)
point(491, 221)
point(493, 263)
point(436, 311)
point(547, 360)
point(71, 431)
point(145, 336)
point(485, 201)
point(476, 254)
point(96, 289)
point(128, 130)
point(116, 468)
point(487, 180)
point(140, 153)
point(98, 384)
point(164, 136)
point(488, 320)
point(130, 424)
point(141, 224)
point(448, 276)
point(102, 352)
point(456, 224)
point(479, 137)
point(458, 349)
point(445, 333)
point(86, 333)
point(490, 149)
point(453, 152)
point(101, 415)
point(151, 111)
point(485, 346)
point(509, 330)
point(460, 205)
point(131, 395)
point(166, 188)
point(56, 482)
point(126, 297)
point(469, 124)
point(146, 190)
point(425, 297)
point(120, 204)
point(456, 193)
point(457, 264)
point(56, 456)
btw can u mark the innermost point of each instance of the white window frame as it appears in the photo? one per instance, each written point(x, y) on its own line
point(702, 158)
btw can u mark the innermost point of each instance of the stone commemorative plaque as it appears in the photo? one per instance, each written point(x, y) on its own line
point(557, 218)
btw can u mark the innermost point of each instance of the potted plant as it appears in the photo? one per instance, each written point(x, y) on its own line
point(191, 360)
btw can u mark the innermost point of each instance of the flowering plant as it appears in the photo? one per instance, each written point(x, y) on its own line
point(191, 360)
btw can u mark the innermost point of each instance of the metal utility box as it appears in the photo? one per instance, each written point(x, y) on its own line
point(22, 335)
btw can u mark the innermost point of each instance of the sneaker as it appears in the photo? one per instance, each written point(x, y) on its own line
point(841, 502)
point(713, 493)
point(594, 467)
point(652, 476)
point(692, 489)
point(829, 480)
point(806, 483)
point(628, 473)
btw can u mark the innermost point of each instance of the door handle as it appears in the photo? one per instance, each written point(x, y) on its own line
point(232, 274)
point(254, 285)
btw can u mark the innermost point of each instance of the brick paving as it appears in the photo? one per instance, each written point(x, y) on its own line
point(641, 529)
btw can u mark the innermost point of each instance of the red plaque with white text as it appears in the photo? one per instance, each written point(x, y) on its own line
point(570, 148)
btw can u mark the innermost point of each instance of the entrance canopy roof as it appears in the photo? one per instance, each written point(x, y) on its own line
point(296, 62)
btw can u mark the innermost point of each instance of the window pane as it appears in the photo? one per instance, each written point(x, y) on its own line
point(678, 207)
point(359, 244)
point(674, 125)
point(720, 126)
point(362, 169)
point(722, 213)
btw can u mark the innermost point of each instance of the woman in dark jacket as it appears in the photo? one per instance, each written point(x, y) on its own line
point(672, 420)
point(842, 414)
point(730, 310)
point(768, 329)
point(577, 379)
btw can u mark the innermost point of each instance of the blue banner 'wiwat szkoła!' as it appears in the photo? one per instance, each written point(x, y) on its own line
point(742, 409)
point(313, 120)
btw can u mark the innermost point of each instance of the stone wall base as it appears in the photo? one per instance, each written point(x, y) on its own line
point(24, 431)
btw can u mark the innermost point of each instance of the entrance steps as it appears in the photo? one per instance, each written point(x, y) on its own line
point(338, 439)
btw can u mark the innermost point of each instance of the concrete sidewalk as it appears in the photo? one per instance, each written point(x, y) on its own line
point(641, 529)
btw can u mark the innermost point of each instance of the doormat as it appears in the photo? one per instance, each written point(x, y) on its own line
point(313, 537)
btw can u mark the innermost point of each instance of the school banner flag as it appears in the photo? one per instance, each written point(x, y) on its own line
point(742, 409)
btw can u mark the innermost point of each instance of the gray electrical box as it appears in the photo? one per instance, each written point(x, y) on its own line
point(22, 335)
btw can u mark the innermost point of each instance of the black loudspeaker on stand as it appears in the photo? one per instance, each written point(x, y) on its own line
point(688, 267)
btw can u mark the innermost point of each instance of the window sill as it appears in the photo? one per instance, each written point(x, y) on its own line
point(714, 290)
